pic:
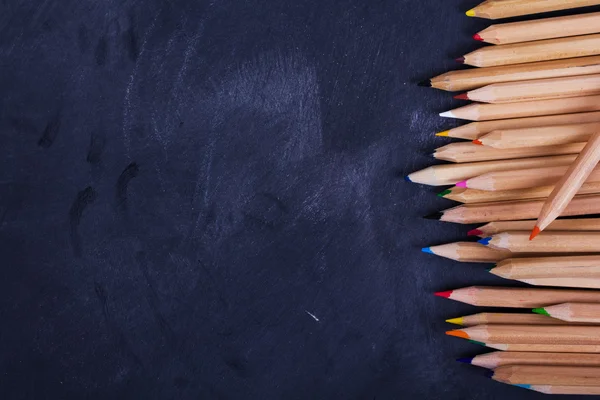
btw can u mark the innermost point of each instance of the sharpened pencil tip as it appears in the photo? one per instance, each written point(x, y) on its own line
point(485, 241)
point(455, 321)
point(462, 96)
point(426, 83)
point(447, 114)
point(443, 133)
point(467, 360)
point(427, 250)
point(477, 343)
point(541, 311)
point(477, 141)
point(460, 60)
point(407, 179)
point(522, 385)
point(458, 333)
point(435, 216)
point(445, 294)
point(470, 13)
point(444, 193)
point(462, 184)
point(477, 37)
point(536, 231)
point(474, 232)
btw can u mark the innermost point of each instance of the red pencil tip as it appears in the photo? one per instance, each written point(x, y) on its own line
point(477, 37)
point(460, 60)
point(536, 231)
point(463, 96)
point(445, 294)
point(474, 232)
point(477, 141)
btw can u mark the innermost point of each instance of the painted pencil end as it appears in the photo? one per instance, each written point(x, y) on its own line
point(455, 321)
point(522, 386)
point(407, 179)
point(485, 241)
point(477, 141)
point(427, 250)
point(460, 60)
point(458, 333)
point(536, 231)
point(443, 134)
point(462, 184)
point(466, 360)
point(477, 37)
point(426, 83)
point(445, 294)
point(474, 232)
point(470, 13)
point(444, 193)
point(541, 311)
point(462, 96)
point(447, 114)
point(477, 343)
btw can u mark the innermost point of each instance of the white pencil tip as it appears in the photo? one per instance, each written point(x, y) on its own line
point(447, 114)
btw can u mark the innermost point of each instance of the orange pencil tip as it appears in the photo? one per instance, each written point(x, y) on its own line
point(458, 333)
point(477, 141)
point(536, 231)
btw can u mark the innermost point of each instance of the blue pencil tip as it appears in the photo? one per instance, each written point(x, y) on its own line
point(407, 179)
point(485, 241)
point(522, 386)
point(427, 250)
point(465, 360)
point(489, 374)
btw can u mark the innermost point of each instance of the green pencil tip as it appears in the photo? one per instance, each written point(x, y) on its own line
point(541, 311)
point(444, 193)
point(476, 342)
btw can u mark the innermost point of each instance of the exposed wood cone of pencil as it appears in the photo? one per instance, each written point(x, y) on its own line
point(572, 312)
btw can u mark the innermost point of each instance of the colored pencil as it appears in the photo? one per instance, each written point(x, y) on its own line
point(557, 389)
point(504, 319)
point(496, 9)
point(547, 28)
point(539, 136)
point(568, 271)
point(547, 242)
point(449, 174)
point(538, 89)
point(467, 252)
point(467, 79)
point(542, 348)
point(528, 52)
point(497, 359)
point(521, 179)
point(547, 375)
point(473, 196)
point(538, 334)
point(513, 210)
point(462, 152)
point(487, 112)
point(475, 130)
point(489, 296)
point(583, 224)
point(569, 184)
point(572, 312)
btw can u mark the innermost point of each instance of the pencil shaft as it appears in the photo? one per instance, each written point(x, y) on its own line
point(497, 9)
point(462, 152)
point(547, 28)
point(546, 242)
point(575, 312)
point(467, 79)
point(538, 334)
point(557, 389)
point(474, 196)
point(540, 136)
point(469, 252)
point(544, 348)
point(508, 319)
point(583, 224)
point(548, 375)
point(541, 50)
point(574, 266)
point(500, 358)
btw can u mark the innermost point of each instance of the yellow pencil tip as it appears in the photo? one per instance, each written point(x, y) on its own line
point(536, 231)
point(455, 321)
point(470, 13)
point(444, 133)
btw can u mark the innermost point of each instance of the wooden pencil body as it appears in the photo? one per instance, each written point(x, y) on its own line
point(449, 174)
point(488, 112)
point(541, 50)
point(516, 210)
point(582, 224)
point(500, 358)
point(489, 296)
point(508, 319)
point(463, 152)
point(467, 79)
point(497, 9)
point(548, 375)
point(475, 130)
point(540, 136)
point(469, 252)
point(549, 267)
point(547, 28)
point(473, 196)
point(575, 312)
point(538, 334)
point(538, 89)
point(557, 389)
point(546, 242)
point(566, 282)
point(544, 348)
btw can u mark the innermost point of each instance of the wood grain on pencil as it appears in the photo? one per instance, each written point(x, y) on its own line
point(463, 152)
point(496, 9)
point(539, 136)
point(579, 224)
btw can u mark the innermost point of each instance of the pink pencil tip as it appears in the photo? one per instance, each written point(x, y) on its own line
point(460, 60)
point(477, 37)
point(463, 96)
point(462, 184)
point(474, 232)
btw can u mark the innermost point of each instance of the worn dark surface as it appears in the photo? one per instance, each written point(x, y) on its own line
point(205, 200)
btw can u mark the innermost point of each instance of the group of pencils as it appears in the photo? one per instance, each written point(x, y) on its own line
point(532, 158)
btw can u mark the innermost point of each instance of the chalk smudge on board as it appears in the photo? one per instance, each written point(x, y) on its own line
point(84, 198)
point(130, 172)
point(50, 132)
